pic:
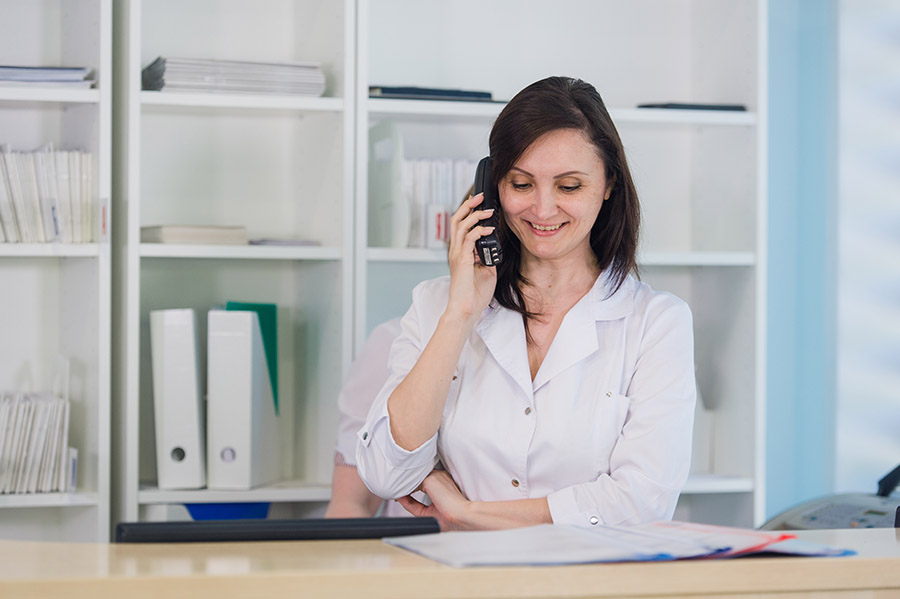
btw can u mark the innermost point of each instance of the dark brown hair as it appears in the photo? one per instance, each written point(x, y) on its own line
point(549, 105)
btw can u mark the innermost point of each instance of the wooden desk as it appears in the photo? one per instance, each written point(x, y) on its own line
point(371, 569)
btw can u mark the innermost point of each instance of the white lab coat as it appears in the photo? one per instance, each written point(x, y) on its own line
point(603, 431)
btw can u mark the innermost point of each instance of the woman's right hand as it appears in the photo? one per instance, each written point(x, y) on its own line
point(471, 283)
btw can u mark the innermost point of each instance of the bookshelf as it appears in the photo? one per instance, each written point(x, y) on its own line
point(56, 296)
point(279, 165)
point(701, 174)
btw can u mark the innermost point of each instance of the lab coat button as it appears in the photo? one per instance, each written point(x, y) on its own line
point(515, 482)
point(365, 436)
point(594, 520)
point(609, 394)
point(527, 411)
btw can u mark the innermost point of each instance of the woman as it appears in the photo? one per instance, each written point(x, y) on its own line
point(556, 388)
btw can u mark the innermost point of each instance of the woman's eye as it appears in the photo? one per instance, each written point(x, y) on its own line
point(570, 188)
point(520, 186)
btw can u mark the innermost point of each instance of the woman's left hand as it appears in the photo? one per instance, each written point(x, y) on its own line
point(448, 505)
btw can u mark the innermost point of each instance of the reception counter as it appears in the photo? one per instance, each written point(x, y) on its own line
point(370, 569)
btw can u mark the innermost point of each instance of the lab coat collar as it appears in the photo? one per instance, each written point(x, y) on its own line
point(503, 332)
point(608, 305)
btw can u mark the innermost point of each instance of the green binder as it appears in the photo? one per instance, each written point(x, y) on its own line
point(268, 325)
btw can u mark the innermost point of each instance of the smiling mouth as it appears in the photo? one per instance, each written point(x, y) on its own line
point(545, 228)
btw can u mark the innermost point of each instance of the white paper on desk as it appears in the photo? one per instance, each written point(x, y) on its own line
point(545, 545)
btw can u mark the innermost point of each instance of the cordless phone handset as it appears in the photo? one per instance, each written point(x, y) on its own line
point(487, 247)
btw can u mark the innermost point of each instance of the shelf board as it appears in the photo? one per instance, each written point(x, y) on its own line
point(289, 491)
point(698, 484)
point(377, 254)
point(382, 107)
point(697, 259)
point(47, 500)
point(683, 117)
point(60, 95)
point(648, 259)
point(253, 101)
point(52, 250)
point(244, 252)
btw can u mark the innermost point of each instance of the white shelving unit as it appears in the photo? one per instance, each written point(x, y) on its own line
point(56, 297)
point(279, 165)
point(288, 166)
point(700, 173)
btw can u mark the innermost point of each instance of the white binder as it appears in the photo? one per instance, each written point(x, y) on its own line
point(177, 400)
point(243, 448)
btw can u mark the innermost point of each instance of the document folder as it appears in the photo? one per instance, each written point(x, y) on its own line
point(243, 449)
point(177, 400)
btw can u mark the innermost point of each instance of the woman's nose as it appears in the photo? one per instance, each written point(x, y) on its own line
point(544, 204)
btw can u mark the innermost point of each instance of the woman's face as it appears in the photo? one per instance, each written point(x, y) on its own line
point(553, 194)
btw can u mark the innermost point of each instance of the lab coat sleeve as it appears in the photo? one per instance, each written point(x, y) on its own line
point(651, 459)
point(387, 469)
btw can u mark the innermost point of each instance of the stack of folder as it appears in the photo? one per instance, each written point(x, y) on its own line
point(406, 92)
point(35, 456)
point(230, 441)
point(204, 75)
point(46, 196)
point(16, 76)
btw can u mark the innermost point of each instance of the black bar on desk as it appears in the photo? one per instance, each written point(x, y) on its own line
point(212, 531)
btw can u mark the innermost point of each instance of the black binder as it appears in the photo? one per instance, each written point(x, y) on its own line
point(212, 531)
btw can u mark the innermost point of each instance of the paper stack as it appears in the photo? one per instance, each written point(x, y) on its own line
point(34, 436)
point(203, 75)
point(13, 76)
point(550, 544)
point(46, 196)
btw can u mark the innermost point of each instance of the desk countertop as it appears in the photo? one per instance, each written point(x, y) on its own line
point(372, 569)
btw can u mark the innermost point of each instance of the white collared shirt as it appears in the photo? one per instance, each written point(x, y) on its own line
point(603, 431)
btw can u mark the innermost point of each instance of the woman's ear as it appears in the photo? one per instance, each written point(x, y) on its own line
point(609, 187)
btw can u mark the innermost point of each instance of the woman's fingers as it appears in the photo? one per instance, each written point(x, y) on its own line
point(466, 208)
point(477, 233)
point(467, 216)
point(465, 245)
point(465, 230)
point(412, 506)
point(469, 292)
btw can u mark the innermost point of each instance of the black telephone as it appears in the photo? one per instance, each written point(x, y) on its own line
point(487, 247)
